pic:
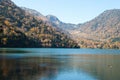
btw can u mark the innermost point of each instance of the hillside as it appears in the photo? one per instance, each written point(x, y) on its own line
point(103, 30)
point(51, 20)
point(105, 26)
point(18, 29)
point(60, 24)
point(35, 13)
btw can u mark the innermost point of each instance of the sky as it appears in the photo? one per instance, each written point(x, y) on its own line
point(70, 11)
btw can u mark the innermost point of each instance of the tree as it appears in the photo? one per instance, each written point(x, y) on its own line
point(7, 23)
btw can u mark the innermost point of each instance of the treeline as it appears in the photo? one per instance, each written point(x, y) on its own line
point(109, 44)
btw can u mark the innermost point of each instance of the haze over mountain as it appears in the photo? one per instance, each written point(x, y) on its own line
point(21, 29)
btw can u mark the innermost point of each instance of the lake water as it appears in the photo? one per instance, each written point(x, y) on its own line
point(59, 64)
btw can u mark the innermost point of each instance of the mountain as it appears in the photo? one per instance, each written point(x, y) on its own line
point(21, 29)
point(100, 32)
point(105, 26)
point(104, 29)
point(35, 13)
point(51, 20)
point(60, 24)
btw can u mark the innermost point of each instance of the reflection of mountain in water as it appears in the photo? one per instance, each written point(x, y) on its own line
point(103, 67)
point(60, 67)
point(27, 68)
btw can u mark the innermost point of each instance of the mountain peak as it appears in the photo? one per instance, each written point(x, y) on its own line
point(52, 18)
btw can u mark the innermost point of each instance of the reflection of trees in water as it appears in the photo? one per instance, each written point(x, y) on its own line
point(27, 69)
point(105, 67)
point(3, 51)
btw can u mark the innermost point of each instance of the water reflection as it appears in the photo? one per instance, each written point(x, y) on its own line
point(60, 67)
point(104, 67)
point(5, 50)
point(27, 68)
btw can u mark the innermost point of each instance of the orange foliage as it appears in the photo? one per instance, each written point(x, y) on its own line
point(7, 23)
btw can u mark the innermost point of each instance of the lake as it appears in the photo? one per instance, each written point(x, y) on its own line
point(59, 64)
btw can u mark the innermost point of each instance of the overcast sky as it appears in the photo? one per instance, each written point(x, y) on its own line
point(70, 11)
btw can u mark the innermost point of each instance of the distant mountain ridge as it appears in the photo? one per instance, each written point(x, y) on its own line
point(51, 20)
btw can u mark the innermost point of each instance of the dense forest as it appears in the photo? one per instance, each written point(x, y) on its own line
point(19, 29)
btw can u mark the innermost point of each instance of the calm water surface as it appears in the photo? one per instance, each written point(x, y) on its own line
point(59, 64)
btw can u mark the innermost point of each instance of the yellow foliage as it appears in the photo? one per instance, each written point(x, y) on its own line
point(4, 40)
point(6, 22)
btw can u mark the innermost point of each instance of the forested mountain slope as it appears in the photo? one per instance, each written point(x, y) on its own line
point(101, 32)
point(19, 29)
